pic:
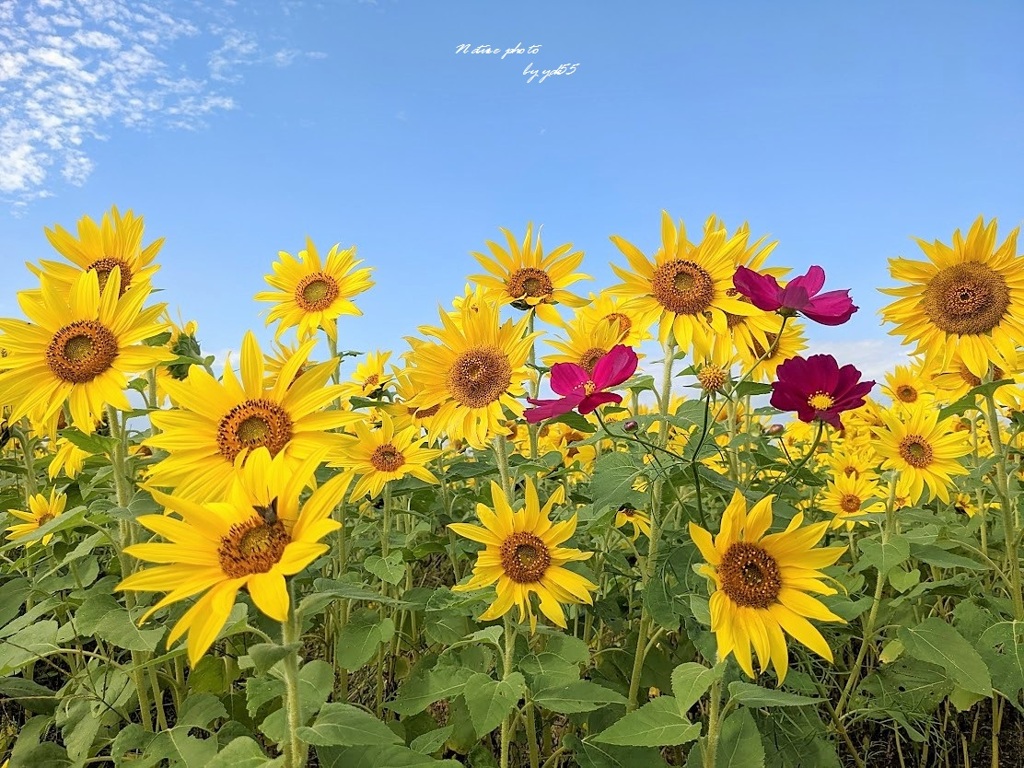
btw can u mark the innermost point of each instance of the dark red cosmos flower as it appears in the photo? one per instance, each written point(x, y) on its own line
point(818, 389)
point(800, 295)
point(581, 390)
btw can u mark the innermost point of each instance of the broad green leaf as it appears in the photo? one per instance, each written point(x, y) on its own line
point(490, 700)
point(28, 694)
point(79, 725)
point(391, 569)
point(690, 681)
point(580, 696)
point(756, 696)
point(933, 555)
point(379, 756)
point(739, 743)
point(199, 710)
point(656, 724)
point(104, 617)
point(612, 479)
point(266, 655)
point(327, 591)
point(903, 580)
point(908, 685)
point(316, 682)
point(592, 754)
point(428, 743)
point(30, 643)
point(658, 601)
point(550, 669)
point(242, 752)
point(883, 557)
point(936, 642)
point(1002, 648)
point(423, 689)
point(343, 725)
point(360, 638)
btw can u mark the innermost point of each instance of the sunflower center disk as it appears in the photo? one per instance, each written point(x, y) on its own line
point(81, 351)
point(254, 424)
point(254, 546)
point(624, 323)
point(524, 557)
point(316, 292)
point(906, 393)
point(588, 360)
point(479, 377)
point(760, 351)
point(683, 287)
point(387, 458)
point(44, 519)
point(750, 576)
point(916, 451)
point(529, 282)
point(103, 268)
point(966, 299)
point(821, 401)
point(850, 503)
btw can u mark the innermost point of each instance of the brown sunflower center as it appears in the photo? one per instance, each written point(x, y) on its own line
point(81, 351)
point(387, 458)
point(316, 292)
point(479, 376)
point(588, 360)
point(711, 378)
point(760, 352)
point(821, 401)
point(750, 576)
point(916, 451)
point(624, 323)
point(967, 299)
point(371, 381)
point(254, 424)
point(44, 519)
point(850, 503)
point(103, 267)
point(683, 287)
point(906, 393)
point(529, 282)
point(524, 557)
point(254, 546)
point(423, 413)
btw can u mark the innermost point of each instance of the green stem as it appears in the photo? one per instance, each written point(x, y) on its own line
point(800, 464)
point(501, 459)
point(295, 751)
point(650, 564)
point(714, 723)
point(1009, 519)
point(531, 735)
point(507, 722)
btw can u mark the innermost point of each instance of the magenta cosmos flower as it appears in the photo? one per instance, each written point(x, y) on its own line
point(800, 295)
point(818, 389)
point(581, 390)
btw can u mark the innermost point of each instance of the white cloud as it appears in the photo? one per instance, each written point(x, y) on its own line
point(872, 357)
point(71, 71)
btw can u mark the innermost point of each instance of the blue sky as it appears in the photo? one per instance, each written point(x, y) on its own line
point(236, 129)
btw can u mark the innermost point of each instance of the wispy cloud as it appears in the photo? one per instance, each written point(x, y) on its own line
point(71, 71)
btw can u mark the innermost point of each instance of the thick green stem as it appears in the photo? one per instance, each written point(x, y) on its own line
point(650, 564)
point(1009, 517)
point(501, 459)
point(507, 723)
point(295, 751)
point(714, 723)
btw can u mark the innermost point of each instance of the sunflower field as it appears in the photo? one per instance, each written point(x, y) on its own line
point(644, 527)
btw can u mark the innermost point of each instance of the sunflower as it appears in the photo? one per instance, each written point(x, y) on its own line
point(522, 555)
point(40, 511)
point(370, 378)
point(115, 242)
point(184, 345)
point(904, 384)
point(474, 370)
point(634, 325)
point(68, 457)
point(641, 522)
point(687, 284)
point(790, 344)
point(312, 294)
point(585, 345)
point(956, 380)
point(402, 411)
point(79, 347)
point(851, 459)
point(967, 299)
point(922, 449)
point(219, 421)
point(850, 496)
point(383, 455)
point(761, 584)
point(527, 279)
point(254, 539)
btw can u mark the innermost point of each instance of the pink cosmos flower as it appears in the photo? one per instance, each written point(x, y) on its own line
point(800, 295)
point(818, 389)
point(581, 390)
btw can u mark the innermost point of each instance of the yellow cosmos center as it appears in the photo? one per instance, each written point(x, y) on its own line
point(254, 424)
point(624, 323)
point(524, 557)
point(820, 401)
point(81, 351)
point(387, 458)
point(711, 378)
point(103, 267)
point(479, 377)
point(906, 393)
point(588, 360)
point(254, 546)
point(916, 451)
point(850, 503)
point(966, 299)
point(749, 575)
point(683, 287)
point(529, 282)
point(316, 292)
